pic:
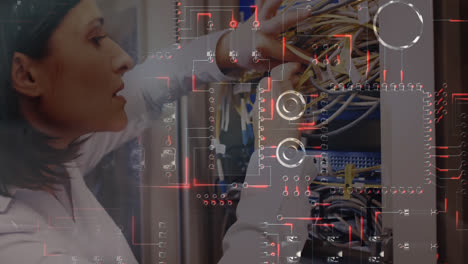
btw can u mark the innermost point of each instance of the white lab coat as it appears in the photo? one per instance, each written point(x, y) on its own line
point(36, 227)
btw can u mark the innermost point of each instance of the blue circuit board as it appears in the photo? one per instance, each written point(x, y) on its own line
point(337, 160)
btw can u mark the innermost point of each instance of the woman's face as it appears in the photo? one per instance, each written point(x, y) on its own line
point(80, 76)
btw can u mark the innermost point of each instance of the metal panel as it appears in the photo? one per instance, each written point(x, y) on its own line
point(406, 135)
point(450, 68)
point(201, 228)
point(160, 215)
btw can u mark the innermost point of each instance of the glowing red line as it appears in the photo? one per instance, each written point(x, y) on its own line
point(233, 22)
point(203, 14)
point(385, 75)
point(307, 124)
point(307, 218)
point(376, 216)
point(258, 186)
point(284, 47)
point(329, 225)
point(350, 236)
point(269, 84)
point(457, 178)
point(290, 225)
point(401, 75)
point(350, 42)
point(278, 247)
point(443, 156)
point(445, 204)
point(368, 66)
point(272, 108)
point(193, 82)
point(362, 228)
point(458, 94)
point(323, 204)
point(443, 170)
point(457, 20)
point(256, 12)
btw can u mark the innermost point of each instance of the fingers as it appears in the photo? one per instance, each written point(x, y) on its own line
point(273, 49)
point(269, 9)
point(283, 22)
point(259, 4)
point(293, 57)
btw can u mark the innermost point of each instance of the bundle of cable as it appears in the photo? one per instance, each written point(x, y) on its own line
point(339, 42)
point(340, 38)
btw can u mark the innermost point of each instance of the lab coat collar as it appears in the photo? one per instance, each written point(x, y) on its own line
point(63, 196)
point(5, 201)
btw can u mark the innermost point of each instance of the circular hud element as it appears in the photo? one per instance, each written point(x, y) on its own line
point(406, 25)
point(290, 152)
point(291, 105)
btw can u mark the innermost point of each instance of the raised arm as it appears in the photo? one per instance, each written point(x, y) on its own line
point(272, 212)
point(155, 82)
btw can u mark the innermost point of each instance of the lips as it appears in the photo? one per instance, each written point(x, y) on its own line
point(118, 90)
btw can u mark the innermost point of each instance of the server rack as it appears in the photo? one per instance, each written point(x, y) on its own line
point(405, 159)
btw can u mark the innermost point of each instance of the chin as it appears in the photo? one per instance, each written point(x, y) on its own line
point(119, 123)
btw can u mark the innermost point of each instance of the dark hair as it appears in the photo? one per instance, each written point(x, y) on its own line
point(26, 158)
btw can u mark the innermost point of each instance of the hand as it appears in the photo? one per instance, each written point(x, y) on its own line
point(248, 38)
point(284, 77)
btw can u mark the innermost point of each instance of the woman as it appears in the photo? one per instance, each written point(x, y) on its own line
point(65, 105)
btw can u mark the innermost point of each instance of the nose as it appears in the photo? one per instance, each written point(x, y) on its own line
point(122, 62)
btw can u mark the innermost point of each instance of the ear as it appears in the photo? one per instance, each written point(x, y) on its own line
point(22, 75)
